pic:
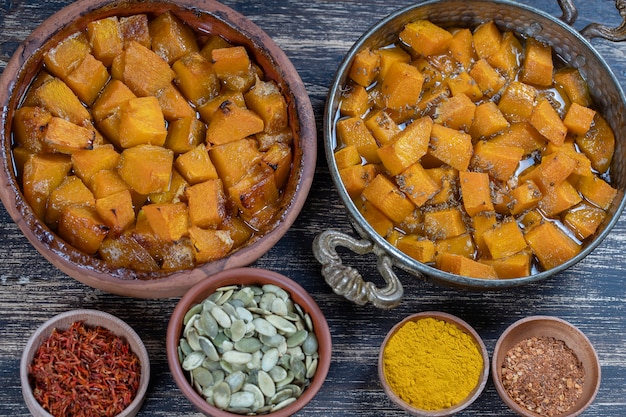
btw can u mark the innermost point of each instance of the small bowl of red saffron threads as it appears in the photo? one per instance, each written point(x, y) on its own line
point(81, 361)
point(543, 366)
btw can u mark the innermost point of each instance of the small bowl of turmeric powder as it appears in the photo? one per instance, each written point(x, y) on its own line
point(433, 364)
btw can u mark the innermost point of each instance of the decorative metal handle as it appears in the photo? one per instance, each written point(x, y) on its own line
point(596, 30)
point(347, 281)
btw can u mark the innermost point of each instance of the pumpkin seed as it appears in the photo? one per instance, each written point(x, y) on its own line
point(266, 384)
point(264, 327)
point(270, 359)
point(221, 395)
point(235, 357)
point(193, 360)
point(248, 345)
point(237, 330)
point(221, 317)
point(241, 399)
point(278, 373)
point(281, 324)
point(283, 404)
point(196, 309)
point(259, 398)
point(310, 345)
point(203, 376)
point(235, 380)
point(297, 338)
point(208, 348)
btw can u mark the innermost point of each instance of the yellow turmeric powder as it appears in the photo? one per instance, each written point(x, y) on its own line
point(432, 364)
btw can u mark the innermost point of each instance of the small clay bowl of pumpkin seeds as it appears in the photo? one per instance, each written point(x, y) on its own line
point(248, 341)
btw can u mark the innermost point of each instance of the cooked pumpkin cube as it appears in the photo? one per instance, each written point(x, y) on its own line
point(488, 120)
point(583, 164)
point(574, 85)
point(266, 100)
point(517, 101)
point(175, 193)
point(57, 98)
point(135, 28)
point(185, 134)
point(352, 131)
point(559, 198)
point(386, 196)
point(538, 65)
point(375, 218)
point(88, 79)
point(451, 146)
point(116, 211)
point(195, 165)
point(506, 58)
point(64, 57)
point(210, 245)
point(460, 245)
point(178, 255)
point(444, 223)
point(597, 190)
point(233, 160)
point(480, 224)
point(487, 39)
point(238, 230)
point(407, 147)
point(267, 140)
point(457, 112)
point(106, 182)
point(425, 38)
point(522, 135)
point(464, 84)
point(356, 177)
point(143, 71)
point(578, 119)
point(81, 227)
point(461, 47)
point(547, 121)
point(88, 162)
point(171, 37)
point(195, 78)
point(553, 170)
point(231, 122)
point(551, 246)
point(365, 67)
point(173, 104)
point(146, 168)
point(42, 174)
point(390, 55)
point(505, 239)
point(233, 67)
point(402, 86)
point(125, 252)
point(208, 109)
point(500, 161)
point(354, 102)
point(584, 220)
point(141, 122)
point(213, 42)
point(169, 221)
point(598, 144)
point(115, 94)
point(29, 127)
point(206, 201)
point(278, 157)
point(514, 266)
point(488, 79)
point(418, 248)
point(476, 192)
point(347, 156)
point(72, 191)
point(460, 265)
point(446, 178)
point(382, 126)
point(65, 137)
point(524, 197)
point(417, 184)
point(105, 37)
point(255, 195)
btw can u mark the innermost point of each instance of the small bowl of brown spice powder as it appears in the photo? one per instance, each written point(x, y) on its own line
point(84, 363)
point(545, 366)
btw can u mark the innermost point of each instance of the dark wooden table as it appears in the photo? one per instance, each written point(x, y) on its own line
point(315, 34)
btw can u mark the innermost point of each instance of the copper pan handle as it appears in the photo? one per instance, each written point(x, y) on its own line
point(596, 30)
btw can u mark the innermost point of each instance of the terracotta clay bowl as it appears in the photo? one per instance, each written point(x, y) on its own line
point(469, 399)
point(90, 318)
point(523, 20)
point(247, 277)
point(559, 329)
point(205, 15)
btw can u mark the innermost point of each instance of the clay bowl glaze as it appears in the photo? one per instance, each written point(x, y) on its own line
point(242, 277)
point(471, 397)
point(548, 326)
point(90, 318)
point(574, 49)
point(202, 16)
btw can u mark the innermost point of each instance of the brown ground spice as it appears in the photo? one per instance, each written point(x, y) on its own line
point(542, 374)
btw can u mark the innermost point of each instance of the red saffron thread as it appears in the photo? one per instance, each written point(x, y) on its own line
point(84, 372)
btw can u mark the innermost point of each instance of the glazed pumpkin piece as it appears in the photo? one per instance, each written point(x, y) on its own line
point(279, 157)
point(29, 127)
point(425, 38)
point(407, 147)
point(480, 224)
point(116, 211)
point(135, 28)
point(254, 192)
point(212, 42)
point(141, 122)
point(488, 120)
point(460, 265)
point(584, 220)
point(514, 266)
point(57, 98)
point(553, 170)
point(355, 101)
point(459, 245)
point(388, 56)
point(524, 197)
point(177, 255)
point(195, 165)
point(171, 37)
point(386, 196)
point(209, 245)
point(185, 134)
point(547, 121)
point(597, 191)
point(445, 177)
point(538, 65)
point(233, 67)
point(146, 168)
point(476, 192)
point(231, 123)
point(582, 163)
point(169, 221)
point(347, 156)
point(575, 86)
point(86, 163)
point(500, 161)
point(352, 131)
point(206, 202)
point(81, 227)
point(209, 108)
point(143, 71)
point(451, 146)
point(238, 230)
point(506, 58)
point(418, 186)
point(65, 137)
point(505, 239)
point(67, 55)
point(444, 223)
point(487, 39)
point(365, 67)
point(402, 86)
point(88, 79)
point(356, 177)
point(125, 252)
point(267, 140)
point(106, 182)
point(173, 104)
point(488, 79)
point(72, 191)
point(463, 83)
point(233, 160)
point(523, 135)
point(375, 218)
point(517, 101)
point(457, 112)
point(578, 119)
point(175, 193)
point(461, 47)
point(114, 94)
point(266, 100)
point(598, 144)
point(551, 245)
point(195, 78)
point(105, 38)
point(42, 174)
point(418, 248)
